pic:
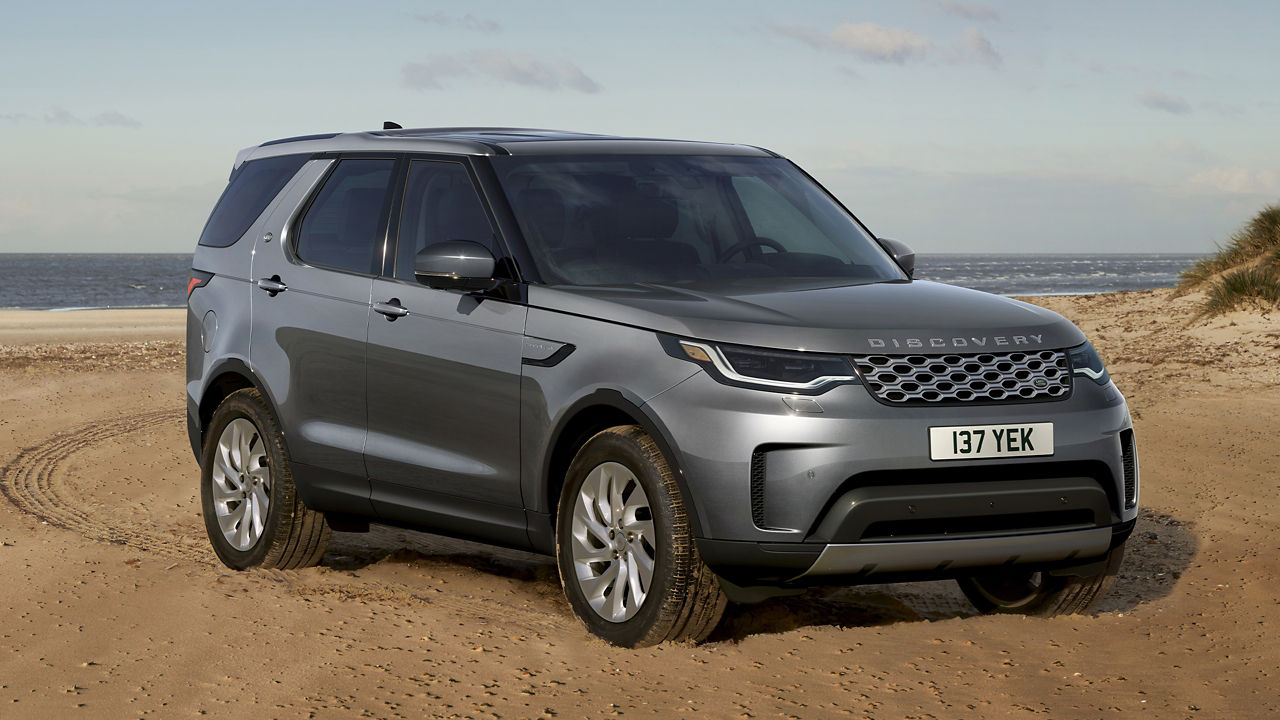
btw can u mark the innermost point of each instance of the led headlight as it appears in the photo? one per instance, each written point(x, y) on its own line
point(1085, 361)
point(799, 372)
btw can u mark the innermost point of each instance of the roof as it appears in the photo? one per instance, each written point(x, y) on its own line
point(491, 141)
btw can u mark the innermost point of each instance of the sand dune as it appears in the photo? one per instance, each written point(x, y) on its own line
point(113, 604)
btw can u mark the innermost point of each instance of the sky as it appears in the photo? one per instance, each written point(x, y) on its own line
point(952, 125)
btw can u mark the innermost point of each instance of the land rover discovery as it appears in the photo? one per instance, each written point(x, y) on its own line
point(683, 369)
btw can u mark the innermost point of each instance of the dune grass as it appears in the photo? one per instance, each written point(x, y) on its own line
point(1245, 271)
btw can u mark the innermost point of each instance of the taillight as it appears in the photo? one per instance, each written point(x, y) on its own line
point(199, 278)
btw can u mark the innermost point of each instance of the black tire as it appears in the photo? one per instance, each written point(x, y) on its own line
point(1039, 594)
point(684, 601)
point(293, 535)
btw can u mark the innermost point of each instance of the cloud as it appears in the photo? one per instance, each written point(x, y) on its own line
point(502, 66)
point(880, 44)
point(866, 40)
point(527, 70)
point(973, 11)
point(1238, 181)
point(13, 117)
point(975, 47)
point(111, 118)
point(466, 22)
point(1156, 100)
point(62, 116)
point(876, 43)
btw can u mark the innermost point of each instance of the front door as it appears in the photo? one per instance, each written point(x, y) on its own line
point(443, 446)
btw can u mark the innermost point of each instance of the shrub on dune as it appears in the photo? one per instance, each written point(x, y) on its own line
point(1236, 287)
point(1245, 271)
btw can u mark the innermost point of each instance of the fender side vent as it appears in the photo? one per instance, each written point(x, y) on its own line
point(1130, 459)
point(757, 489)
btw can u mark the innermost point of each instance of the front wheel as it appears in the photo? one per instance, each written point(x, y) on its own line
point(627, 558)
point(1038, 593)
point(252, 511)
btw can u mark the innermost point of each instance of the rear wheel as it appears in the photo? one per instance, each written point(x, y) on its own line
point(252, 511)
point(628, 562)
point(1038, 593)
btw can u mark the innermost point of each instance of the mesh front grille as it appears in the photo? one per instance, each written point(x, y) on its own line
point(1130, 460)
point(949, 379)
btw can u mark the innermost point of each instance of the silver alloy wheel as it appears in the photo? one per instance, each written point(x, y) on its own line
point(241, 484)
point(613, 542)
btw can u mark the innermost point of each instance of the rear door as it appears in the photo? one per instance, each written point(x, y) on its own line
point(310, 317)
point(443, 446)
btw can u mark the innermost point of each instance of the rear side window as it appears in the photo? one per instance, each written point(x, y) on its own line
point(344, 226)
point(252, 187)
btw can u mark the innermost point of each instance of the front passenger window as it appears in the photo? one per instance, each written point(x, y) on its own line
point(344, 226)
point(440, 204)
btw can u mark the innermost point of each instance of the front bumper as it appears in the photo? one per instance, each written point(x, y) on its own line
point(849, 490)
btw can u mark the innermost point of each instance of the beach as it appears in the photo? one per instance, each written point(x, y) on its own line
point(113, 603)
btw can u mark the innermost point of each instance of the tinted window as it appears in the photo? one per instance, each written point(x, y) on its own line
point(343, 228)
point(440, 204)
point(604, 220)
point(773, 215)
point(252, 187)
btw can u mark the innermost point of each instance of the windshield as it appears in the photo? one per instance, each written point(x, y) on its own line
point(616, 219)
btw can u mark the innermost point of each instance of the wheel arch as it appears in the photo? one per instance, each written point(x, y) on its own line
point(589, 415)
point(228, 376)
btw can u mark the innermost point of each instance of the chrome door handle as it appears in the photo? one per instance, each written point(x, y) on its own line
point(391, 308)
point(272, 285)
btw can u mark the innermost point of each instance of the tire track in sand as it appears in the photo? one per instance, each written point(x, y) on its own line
point(34, 483)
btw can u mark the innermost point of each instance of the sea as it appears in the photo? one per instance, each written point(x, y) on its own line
point(75, 281)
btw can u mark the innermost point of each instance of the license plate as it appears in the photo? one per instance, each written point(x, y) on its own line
point(962, 442)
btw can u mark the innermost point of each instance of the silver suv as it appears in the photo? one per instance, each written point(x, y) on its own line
point(682, 368)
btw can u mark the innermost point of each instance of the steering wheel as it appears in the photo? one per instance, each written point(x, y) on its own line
point(738, 247)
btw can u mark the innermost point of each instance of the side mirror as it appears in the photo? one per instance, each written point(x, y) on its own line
point(455, 265)
point(902, 253)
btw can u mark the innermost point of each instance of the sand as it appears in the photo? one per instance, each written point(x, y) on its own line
point(113, 605)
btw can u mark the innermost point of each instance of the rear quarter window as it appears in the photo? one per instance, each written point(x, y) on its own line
point(252, 187)
point(345, 224)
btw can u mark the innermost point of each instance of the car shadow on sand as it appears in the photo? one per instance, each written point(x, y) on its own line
point(1157, 554)
point(355, 551)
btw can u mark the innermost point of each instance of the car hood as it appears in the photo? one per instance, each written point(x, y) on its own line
point(893, 317)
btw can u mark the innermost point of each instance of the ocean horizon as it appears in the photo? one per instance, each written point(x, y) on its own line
point(67, 281)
